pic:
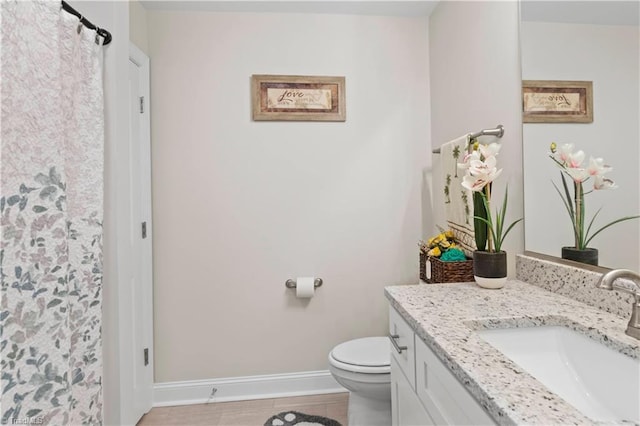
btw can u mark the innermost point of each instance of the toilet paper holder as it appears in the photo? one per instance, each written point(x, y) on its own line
point(292, 283)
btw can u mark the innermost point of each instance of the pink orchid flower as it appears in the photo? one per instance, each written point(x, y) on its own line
point(578, 175)
point(601, 182)
point(597, 167)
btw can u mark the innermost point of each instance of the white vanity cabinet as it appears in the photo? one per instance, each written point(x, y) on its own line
point(406, 408)
point(423, 390)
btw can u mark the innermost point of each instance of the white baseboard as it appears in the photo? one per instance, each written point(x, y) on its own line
point(244, 388)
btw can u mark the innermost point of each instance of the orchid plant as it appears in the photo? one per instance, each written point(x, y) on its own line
point(571, 164)
point(481, 171)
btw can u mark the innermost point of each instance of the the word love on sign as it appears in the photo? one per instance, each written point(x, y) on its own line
point(307, 98)
point(286, 98)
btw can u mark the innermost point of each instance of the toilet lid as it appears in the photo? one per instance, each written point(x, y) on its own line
point(368, 352)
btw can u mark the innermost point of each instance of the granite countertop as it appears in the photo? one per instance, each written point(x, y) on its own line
point(445, 315)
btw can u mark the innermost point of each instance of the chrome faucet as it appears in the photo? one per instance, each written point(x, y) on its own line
point(606, 282)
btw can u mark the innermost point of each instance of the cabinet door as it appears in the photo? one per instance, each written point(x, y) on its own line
point(445, 398)
point(406, 409)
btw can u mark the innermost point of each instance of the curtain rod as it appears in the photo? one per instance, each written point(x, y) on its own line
point(101, 31)
point(498, 131)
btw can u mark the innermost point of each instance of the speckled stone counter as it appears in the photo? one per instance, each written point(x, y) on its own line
point(576, 281)
point(444, 316)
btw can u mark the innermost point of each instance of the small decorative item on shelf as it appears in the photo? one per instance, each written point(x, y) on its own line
point(441, 261)
point(570, 164)
point(489, 261)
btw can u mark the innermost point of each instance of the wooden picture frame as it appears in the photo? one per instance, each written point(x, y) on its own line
point(551, 101)
point(298, 98)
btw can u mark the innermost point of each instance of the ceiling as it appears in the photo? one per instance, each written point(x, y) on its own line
point(582, 12)
point(369, 7)
point(607, 12)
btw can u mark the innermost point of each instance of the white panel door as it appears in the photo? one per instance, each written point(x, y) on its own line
point(406, 409)
point(141, 279)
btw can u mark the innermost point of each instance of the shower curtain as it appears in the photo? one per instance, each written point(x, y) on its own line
point(51, 177)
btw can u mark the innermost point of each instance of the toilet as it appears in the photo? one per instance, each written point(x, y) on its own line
point(363, 367)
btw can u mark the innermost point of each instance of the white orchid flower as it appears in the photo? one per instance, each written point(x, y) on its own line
point(563, 153)
point(473, 183)
point(490, 150)
point(474, 155)
point(486, 167)
point(478, 182)
point(575, 159)
point(597, 167)
point(601, 182)
point(578, 175)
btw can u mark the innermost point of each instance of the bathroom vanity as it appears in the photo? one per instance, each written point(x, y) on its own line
point(444, 372)
point(423, 390)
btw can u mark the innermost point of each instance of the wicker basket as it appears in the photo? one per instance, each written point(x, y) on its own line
point(445, 272)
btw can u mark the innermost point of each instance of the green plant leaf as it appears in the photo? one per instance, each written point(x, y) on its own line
point(622, 219)
point(591, 222)
point(581, 236)
point(488, 221)
point(509, 229)
point(497, 227)
point(568, 195)
point(480, 228)
point(500, 220)
point(568, 206)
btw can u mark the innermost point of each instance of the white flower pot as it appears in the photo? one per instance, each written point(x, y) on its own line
point(492, 283)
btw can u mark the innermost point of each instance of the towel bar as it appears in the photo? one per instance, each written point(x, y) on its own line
point(498, 132)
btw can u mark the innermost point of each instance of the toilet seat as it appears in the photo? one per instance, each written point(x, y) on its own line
point(363, 367)
point(369, 355)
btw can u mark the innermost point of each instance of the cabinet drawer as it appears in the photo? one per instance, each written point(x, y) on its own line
point(444, 397)
point(404, 338)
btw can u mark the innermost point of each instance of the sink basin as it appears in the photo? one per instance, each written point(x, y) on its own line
point(601, 383)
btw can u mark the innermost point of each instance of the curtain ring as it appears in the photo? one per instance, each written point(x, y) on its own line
point(80, 24)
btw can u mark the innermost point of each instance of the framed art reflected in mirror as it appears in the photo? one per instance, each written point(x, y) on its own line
point(551, 101)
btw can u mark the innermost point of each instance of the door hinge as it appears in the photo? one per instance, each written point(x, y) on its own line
point(146, 356)
point(141, 104)
point(144, 229)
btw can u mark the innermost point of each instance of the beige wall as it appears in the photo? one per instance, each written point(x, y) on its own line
point(241, 206)
point(138, 26)
point(475, 84)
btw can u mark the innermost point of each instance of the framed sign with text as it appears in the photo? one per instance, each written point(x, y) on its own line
point(298, 98)
point(548, 101)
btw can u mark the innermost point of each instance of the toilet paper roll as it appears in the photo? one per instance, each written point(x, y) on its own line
point(305, 287)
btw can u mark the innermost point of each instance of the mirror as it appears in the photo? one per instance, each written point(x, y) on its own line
point(594, 41)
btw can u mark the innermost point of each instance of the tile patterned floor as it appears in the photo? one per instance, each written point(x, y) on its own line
point(248, 413)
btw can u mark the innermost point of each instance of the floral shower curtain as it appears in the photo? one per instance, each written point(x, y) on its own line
point(51, 177)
